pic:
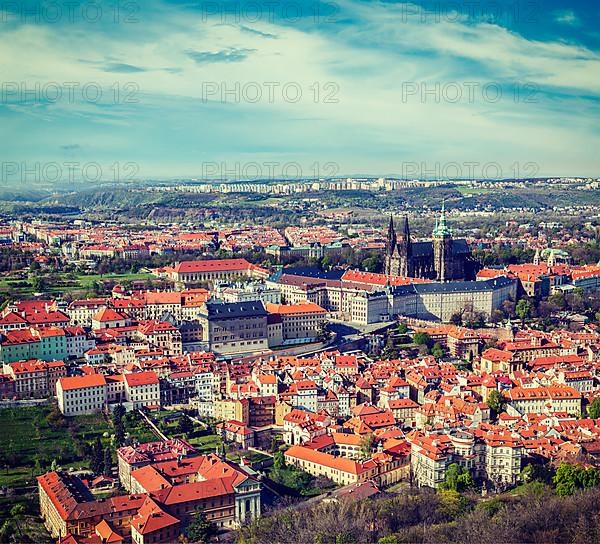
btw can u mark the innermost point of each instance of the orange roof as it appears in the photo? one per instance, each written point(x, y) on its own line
point(81, 382)
point(215, 265)
point(151, 518)
point(194, 491)
point(325, 459)
point(289, 309)
point(150, 478)
point(141, 378)
point(108, 314)
point(107, 533)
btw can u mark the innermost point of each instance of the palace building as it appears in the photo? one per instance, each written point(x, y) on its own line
point(443, 258)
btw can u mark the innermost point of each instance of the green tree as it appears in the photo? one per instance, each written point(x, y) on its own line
point(457, 478)
point(279, 461)
point(495, 401)
point(523, 310)
point(199, 529)
point(107, 462)
point(97, 457)
point(437, 350)
point(118, 413)
point(402, 328)
point(185, 425)
point(17, 513)
point(421, 339)
point(594, 408)
point(119, 433)
point(366, 445)
point(566, 479)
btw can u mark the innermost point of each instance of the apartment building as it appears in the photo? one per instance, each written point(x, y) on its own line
point(384, 468)
point(77, 341)
point(142, 389)
point(35, 379)
point(195, 272)
point(81, 312)
point(495, 456)
point(230, 328)
point(538, 400)
point(79, 395)
point(300, 323)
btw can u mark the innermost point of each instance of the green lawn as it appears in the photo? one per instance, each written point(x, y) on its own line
point(206, 444)
point(474, 190)
point(28, 438)
point(62, 283)
point(86, 281)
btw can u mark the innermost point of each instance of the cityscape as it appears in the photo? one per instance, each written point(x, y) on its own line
point(278, 273)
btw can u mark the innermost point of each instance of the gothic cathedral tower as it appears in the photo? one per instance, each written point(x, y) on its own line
point(398, 260)
point(442, 249)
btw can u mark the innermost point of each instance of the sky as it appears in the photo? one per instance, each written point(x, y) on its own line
point(129, 91)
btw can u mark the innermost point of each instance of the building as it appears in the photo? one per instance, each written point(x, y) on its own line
point(35, 379)
point(131, 458)
point(68, 507)
point(231, 328)
point(384, 468)
point(494, 456)
point(553, 398)
point(300, 323)
point(142, 389)
point(79, 395)
point(195, 272)
point(442, 259)
point(246, 292)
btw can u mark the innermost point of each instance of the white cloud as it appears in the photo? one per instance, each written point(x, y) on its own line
point(368, 62)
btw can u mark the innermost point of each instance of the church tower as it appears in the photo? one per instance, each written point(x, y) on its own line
point(391, 251)
point(398, 251)
point(404, 246)
point(442, 249)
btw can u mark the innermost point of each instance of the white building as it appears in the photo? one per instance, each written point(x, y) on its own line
point(78, 395)
point(142, 389)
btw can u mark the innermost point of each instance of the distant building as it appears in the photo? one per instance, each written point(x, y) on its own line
point(231, 328)
point(300, 323)
point(194, 272)
point(442, 259)
point(79, 395)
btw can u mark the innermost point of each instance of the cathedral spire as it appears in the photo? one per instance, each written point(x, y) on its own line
point(441, 229)
point(391, 238)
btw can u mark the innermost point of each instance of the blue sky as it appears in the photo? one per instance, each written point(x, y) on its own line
point(380, 88)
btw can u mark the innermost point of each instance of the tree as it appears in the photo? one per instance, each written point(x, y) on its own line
point(107, 462)
point(594, 408)
point(495, 401)
point(118, 414)
point(97, 457)
point(279, 461)
point(437, 350)
point(523, 310)
point(17, 513)
point(421, 339)
point(402, 328)
point(119, 433)
point(569, 478)
point(366, 445)
point(456, 318)
point(199, 530)
point(185, 425)
point(457, 478)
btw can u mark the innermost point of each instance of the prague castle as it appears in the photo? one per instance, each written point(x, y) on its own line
point(442, 259)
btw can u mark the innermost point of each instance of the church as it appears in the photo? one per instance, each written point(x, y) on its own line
point(441, 259)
